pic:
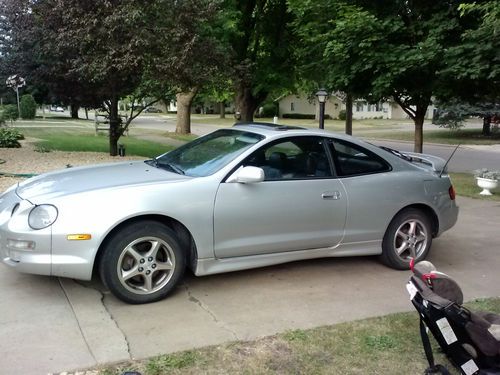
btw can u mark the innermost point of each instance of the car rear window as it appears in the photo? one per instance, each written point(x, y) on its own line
point(351, 159)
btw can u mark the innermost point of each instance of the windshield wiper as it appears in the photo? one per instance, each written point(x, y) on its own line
point(171, 167)
point(152, 162)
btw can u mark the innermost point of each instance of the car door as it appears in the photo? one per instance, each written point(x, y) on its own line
point(299, 205)
point(375, 193)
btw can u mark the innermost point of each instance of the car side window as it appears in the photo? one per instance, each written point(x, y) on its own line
point(291, 159)
point(351, 159)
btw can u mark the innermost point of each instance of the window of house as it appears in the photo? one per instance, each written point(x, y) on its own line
point(359, 106)
point(351, 159)
point(292, 106)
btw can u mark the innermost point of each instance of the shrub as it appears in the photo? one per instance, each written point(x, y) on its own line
point(342, 115)
point(9, 138)
point(299, 116)
point(27, 107)
point(452, 119)
point(10, 112)
point(268, 110)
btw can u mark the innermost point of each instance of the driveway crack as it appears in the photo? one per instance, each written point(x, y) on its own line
point(77, 320)
point(205, 308)
point(116, 323)
point(102, 296)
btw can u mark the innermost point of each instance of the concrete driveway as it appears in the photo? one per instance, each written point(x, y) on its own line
point(52, 325)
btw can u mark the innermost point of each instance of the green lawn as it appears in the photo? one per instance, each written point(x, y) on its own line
point(81, 139)
point(465, 185)
point(384, 345)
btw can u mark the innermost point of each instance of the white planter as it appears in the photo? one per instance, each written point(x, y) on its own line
point(486, 184)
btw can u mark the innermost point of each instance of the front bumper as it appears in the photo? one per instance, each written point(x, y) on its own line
point(15, 233)
point(41, 252)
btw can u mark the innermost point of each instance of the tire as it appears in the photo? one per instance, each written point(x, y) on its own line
point(142, 262)
point(409, 234)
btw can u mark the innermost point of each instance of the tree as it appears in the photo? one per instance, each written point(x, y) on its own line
point(10, 112)
point(261, 42)
point(473, 68)
point(94, 49)
point(30, 48)
point(109, 49)
point(27, 107)
point(343, 71)
point(220, 90)
point(391, 49)
point(186, 51)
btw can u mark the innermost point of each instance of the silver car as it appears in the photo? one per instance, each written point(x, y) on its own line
point(248, 196)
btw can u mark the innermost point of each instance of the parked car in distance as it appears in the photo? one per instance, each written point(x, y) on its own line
point(152, 110)
point(252, 195)
point(56, 109)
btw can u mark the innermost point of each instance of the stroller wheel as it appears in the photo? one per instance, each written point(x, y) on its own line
point(408, 235)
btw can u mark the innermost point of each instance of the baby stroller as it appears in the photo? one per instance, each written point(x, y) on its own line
point(471, 340)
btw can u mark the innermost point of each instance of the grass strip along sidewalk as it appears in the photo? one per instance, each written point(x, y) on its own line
point(384, 345)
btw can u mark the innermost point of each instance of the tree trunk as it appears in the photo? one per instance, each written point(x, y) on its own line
point(486, 126)
point(246, 104)
point(419, 131)
point(184, 101)
point(114, 127)
point(74, 110)
point(348, 114)
point(222, 109)
point(417, 114)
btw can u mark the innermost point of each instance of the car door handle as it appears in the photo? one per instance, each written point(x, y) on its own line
point(331, 195)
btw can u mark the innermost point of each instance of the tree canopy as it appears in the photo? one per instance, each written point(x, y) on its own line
point(94, 53)
point(392, 49)
point(98, 52)
point(261, 41)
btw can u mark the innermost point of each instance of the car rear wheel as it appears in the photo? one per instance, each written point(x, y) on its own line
point(142, 262)
point(408, 235)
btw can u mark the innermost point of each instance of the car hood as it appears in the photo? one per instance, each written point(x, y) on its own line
point(83, 179)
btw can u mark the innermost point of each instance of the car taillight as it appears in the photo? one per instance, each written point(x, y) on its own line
point(451, 192)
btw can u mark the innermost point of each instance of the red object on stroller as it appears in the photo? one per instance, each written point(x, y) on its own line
point(471, 340)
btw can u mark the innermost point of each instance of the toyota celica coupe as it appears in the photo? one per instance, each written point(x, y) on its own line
point(243, 197)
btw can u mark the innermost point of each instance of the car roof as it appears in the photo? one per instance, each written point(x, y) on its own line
point(270, 130)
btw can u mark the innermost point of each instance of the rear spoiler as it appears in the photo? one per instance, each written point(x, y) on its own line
point(433, 161)
point(437, 164)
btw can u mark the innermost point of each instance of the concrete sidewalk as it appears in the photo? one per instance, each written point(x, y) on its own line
point(53, 325)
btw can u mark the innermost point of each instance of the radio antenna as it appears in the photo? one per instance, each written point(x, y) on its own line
point(447, 161)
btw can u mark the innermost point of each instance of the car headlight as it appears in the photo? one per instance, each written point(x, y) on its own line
point(42, 216)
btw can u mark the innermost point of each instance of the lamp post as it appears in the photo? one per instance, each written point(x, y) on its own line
point(322, 96)
point(15, 82)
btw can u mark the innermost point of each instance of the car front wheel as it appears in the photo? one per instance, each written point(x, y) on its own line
point(142, 262)
point(408, 236)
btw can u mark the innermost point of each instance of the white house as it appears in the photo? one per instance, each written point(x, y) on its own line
point(361, 109)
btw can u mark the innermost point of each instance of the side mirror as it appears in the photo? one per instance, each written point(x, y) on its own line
point(247, 175)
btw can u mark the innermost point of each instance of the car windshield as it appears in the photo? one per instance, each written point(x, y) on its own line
point(206, 155)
